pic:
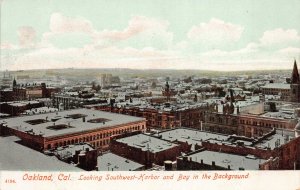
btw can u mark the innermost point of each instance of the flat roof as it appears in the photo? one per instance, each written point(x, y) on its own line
point(274, 141)
point(70, 125)
point(277, 85)
point(17, 157)
point(223, 159)
point(197, 137)
point(279, 115)
point(146, 142)
point(113, 162)
point(191, 136)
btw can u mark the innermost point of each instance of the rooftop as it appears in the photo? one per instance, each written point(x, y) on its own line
point(70, 150)
point(39, 110)
point(279, 115)
point(224, 160)
point(15, 156)
point(191, 136)
point(146, 142)
point(110, 161)
point(68, 122)
point(277, 85)
point(20, 103)
point(274, 141)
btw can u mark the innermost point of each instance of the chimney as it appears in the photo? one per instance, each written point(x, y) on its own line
point(213, 163)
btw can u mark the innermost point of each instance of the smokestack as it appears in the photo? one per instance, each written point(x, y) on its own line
point(201, 124)
point(231, 96)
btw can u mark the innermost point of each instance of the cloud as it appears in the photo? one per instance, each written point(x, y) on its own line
point(8, 46)
point(279, 35)
point(250, 48)
point(290, 50)
point(107, 47)
point(62, 24)
point(140, 28)
point(276, 45)
point(136, 25)
point(27, 36)
point(147, 43)
point(89, 57)
point(215, 31)
point(140, 32)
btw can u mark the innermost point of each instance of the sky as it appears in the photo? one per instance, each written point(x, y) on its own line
point(227, 35)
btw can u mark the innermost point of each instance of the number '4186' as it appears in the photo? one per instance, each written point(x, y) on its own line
point(10, 181)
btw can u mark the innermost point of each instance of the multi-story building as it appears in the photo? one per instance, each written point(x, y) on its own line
point(18, 92)
point(254, 126)
point(162, 117)
point(52, 130)
point(276, 149)
point(281, 89)
point(147, 150)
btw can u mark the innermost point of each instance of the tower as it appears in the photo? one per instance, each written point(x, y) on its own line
point(167, 91)
point(14, 83)
point(295, 84)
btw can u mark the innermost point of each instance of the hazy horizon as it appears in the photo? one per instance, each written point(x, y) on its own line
point(147, 69)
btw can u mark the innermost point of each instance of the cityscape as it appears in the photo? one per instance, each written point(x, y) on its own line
point(149, 86)
point(134, 123)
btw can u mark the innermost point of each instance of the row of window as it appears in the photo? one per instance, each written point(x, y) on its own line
point(263, 124)
point(100, 135)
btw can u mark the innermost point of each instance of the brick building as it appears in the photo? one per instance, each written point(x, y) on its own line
point(284, 90)
point(277, 149)
point(271, 145)
point(170, 116)
point(147, 150)
point(254, 126)
point(17, 108)
point(213, 160)
point(18, 92)
point(52, 130)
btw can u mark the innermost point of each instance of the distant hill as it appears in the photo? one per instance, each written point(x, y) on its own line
point(124, 72)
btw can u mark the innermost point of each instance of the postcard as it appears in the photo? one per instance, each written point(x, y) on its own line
point(149, 94)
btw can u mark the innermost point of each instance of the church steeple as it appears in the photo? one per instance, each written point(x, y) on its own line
point(295, 74)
